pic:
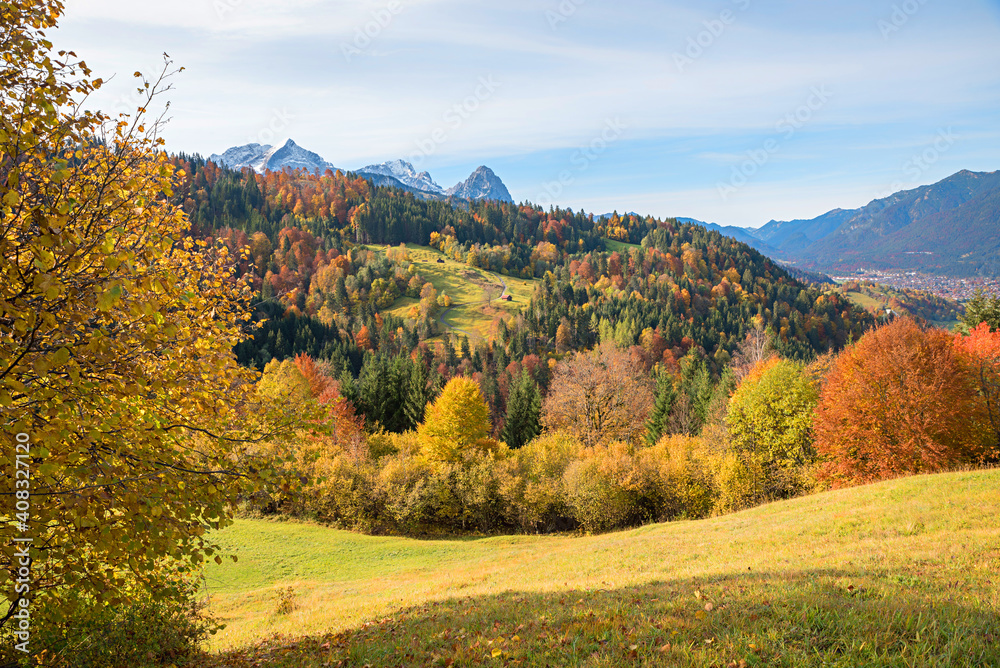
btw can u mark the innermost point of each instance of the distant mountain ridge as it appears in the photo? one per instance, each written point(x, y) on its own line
point(405, 173)
point(483, 183)
point(950, 227)
point(264, 156)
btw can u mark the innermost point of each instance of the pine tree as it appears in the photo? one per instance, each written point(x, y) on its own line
point(982, 308)
point(666, 396)
point(524, 411)
point(417, 395)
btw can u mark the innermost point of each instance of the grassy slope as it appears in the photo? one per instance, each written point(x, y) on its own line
point(619, 246)
point(880, 303)
point(475, 316)
point(902, 573)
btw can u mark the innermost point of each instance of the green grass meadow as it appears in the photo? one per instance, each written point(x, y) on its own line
point(901, 573)
point(469, 288)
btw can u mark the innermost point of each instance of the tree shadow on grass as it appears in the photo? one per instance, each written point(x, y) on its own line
point(847, 617)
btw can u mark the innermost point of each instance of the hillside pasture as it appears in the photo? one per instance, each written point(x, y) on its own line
point(900, 573)
point(474, 292)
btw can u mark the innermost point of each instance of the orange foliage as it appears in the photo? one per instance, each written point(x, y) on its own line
point(899, 401)
point(982, 350)
point(363, 338)
point(319, 382)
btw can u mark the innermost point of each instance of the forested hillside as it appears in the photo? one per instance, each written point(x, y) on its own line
point(670, 291)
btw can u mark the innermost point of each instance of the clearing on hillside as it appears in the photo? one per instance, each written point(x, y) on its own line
point(475, 293)
point(900, 573)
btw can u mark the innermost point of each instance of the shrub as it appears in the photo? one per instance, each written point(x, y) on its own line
point(595, 501)
point(737, 481)
point(143, 633)
point(532, 483)
point(474, 484)
point(346, 493)
point(686, 485)
point(610, 488)
point(403, 484)
point(286, 601)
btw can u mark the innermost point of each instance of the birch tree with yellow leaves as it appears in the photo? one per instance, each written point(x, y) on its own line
point(116, 336)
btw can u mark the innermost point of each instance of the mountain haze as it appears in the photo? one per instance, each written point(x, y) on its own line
point(951, 227)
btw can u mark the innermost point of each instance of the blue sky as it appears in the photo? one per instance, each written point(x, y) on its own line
point(735, 112)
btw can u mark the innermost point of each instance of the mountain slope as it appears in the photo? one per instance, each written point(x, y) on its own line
point(405, 173)
point(949, 227)
point(796, 234)
point(744, 234)
point(263, 156)
point(482, 184)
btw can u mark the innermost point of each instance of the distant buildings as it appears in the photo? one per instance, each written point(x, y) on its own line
point(959, 289)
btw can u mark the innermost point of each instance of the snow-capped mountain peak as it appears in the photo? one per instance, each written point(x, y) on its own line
point(482, 184)
point(275, 158)
point(405, 173)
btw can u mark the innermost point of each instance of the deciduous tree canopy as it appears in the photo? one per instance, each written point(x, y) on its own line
point(116, 339)
point(898, 401)
point(455, 422)
point(599, 396)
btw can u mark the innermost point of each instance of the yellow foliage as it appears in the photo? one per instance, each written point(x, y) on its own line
point(117, 344)
point(456, 421)
point(283, 382)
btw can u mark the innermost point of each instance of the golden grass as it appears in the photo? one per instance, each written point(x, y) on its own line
point(470, 289)
point(901, 573)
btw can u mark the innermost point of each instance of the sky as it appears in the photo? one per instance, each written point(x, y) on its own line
point(731, 111)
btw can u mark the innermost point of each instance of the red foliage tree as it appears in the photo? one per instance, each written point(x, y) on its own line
point(319, 382)
point(982, 350)
point(363, 338)
point(899, 401)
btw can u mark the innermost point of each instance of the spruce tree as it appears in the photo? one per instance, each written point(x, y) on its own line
point(417, 392)
point(524, 410)
point(666, 396)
